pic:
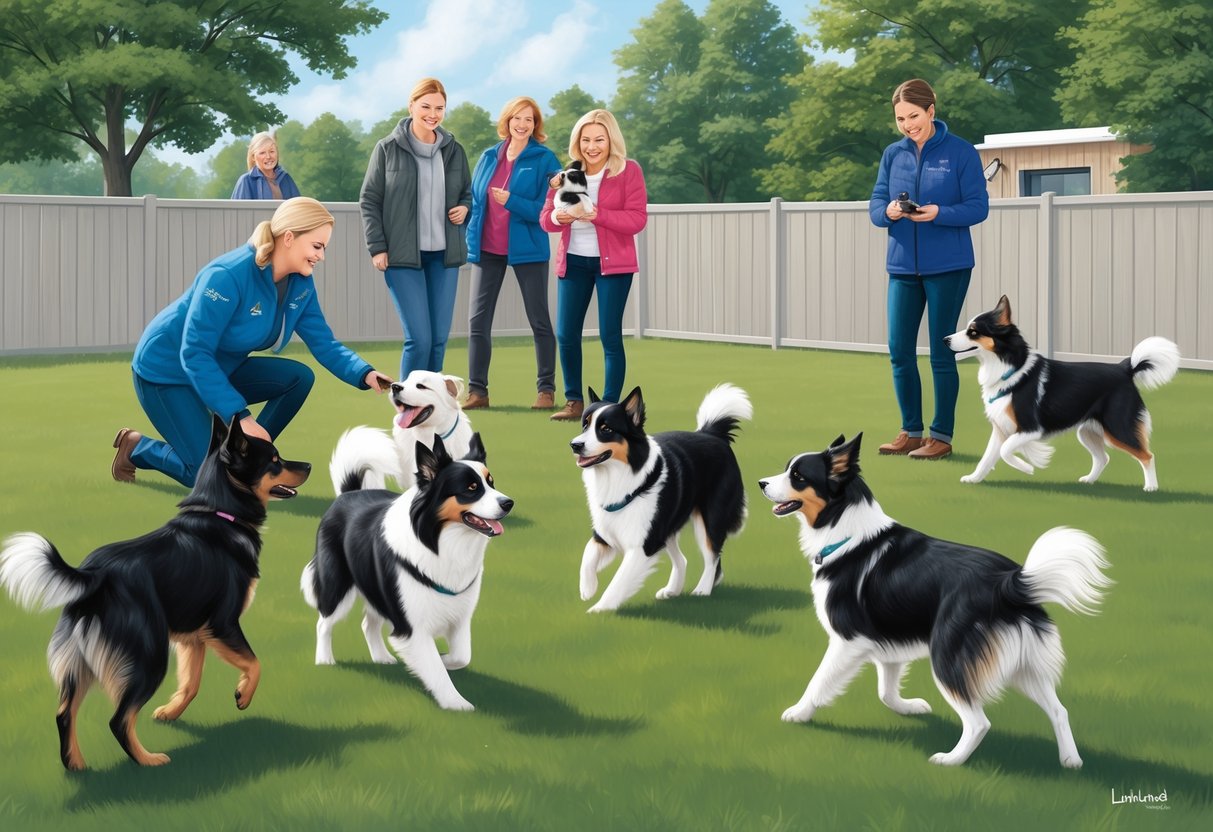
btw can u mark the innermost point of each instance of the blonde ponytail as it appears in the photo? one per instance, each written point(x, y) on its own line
point(298, 215)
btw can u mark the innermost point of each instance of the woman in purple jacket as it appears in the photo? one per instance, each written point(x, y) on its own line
point(930, 258)
point(597, 252)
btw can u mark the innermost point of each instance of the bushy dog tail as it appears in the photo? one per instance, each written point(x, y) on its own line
point(364, 458)
point(1066, 566)
point(722, 408)
point(35, 574)
point(1154, 362)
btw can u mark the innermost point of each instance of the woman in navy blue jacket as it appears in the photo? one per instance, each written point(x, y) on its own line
point(930, 258)
point(508, 189)
point(265, 178)
point(193, 359)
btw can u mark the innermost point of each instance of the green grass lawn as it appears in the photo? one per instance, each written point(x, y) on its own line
point(666, 714)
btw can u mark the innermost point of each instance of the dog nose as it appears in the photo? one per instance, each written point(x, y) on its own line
point(506, 504)
point(577, 446)
point(763, 485)
point(947, 339)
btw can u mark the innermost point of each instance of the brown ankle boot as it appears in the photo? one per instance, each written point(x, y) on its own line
point(903, 444)
point(545, 401)
point(475, 401)
point(122, 469)
point(932, 449)
point(571, 412)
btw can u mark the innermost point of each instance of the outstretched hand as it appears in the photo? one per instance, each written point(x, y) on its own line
point(377, 381)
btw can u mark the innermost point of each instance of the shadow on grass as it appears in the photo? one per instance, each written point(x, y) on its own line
point(1101, 491)
point(729, 608)
point(225, 757)
point(1015, 754)
point(525, 710)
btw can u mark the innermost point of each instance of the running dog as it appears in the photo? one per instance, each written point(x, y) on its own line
point(427, 406)
point(416, 559)
point(888, 594)
point(186, 583)
point(642, 490)
point(1029, 398)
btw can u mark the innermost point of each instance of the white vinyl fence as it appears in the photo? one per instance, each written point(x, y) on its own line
point(1087, 276)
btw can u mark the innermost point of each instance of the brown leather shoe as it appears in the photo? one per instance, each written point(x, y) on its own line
point(545, 401)
point(571, 412)
point(475, 401)
point(903, 444)
point(932, 449)
point(122, 469)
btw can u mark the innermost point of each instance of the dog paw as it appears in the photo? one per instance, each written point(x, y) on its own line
point(1087, 479)
point(946, 759)
point(600, 607)
point(702, 591)
point(387, 658)
point(455, 662)
point(243, 700)
point(165, 713)
point(666, 593)
point(798, 713)
point(589, 587)
point(971, 478)
point(1072, 761)
point(154, 760)
point(913, 707)
point(457, 704)
point(1150, 488)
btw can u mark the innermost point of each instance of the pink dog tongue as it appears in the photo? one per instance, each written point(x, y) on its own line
point(494, 525)
point(405, 419)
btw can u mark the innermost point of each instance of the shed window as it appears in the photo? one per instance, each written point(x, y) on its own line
point(1062, 181)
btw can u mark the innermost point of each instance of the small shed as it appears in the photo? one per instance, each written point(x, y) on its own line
point(1073, 162)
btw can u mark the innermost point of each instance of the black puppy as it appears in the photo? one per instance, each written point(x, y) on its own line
point(187, 582)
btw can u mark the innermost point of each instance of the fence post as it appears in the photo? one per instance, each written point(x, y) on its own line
point(642, 276)
point(1046, 285)
point(775, 255)
point(148, 305)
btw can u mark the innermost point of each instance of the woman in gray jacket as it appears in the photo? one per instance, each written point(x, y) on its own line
point(414, 200)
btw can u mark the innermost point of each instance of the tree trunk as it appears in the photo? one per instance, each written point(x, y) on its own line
point(117, 173)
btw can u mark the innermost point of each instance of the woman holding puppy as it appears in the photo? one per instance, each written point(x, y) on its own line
point(508, 188)
point(597, 253)
point(193, 359)
point(930, 258)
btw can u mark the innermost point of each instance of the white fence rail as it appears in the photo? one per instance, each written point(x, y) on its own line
point(1087, 276)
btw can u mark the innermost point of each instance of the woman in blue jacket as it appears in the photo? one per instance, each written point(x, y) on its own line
point(265, 178)
point(930, 258)
point(193, 359)
point(508, 189)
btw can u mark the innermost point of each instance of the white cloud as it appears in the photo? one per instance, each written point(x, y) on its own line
point(559, 53)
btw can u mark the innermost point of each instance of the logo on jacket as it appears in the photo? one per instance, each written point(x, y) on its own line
point(294, 304)
point(256, 310)
point(213, 295)
point(941, 166)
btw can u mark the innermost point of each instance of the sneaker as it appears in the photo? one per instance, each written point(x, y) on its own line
point(571, 412)
point(932, 449)
point(903, 444)
point(475, 401)
point(545, 401)
point(122, 469)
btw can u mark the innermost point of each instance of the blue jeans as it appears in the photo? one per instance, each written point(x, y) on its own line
point(184, 421)
point(942, 296)
point(573, 294)
point(425, 302)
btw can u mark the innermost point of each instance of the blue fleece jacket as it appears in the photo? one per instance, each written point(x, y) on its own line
point(231, 310)
point(253, 185)
point(947, 174)
point(528, 186)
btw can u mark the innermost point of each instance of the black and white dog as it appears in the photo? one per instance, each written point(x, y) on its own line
point(416, 559)
point(888, 594)
point(573, 194)
point(427, 406)
point(1029, 398)
point(642, 490)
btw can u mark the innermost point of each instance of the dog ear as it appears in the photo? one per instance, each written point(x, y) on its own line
point(844, 459)
point(236, 443)
point(427, 463)
point(634, 405)
point(218, 433)
point(1003, 311)
point(841, 438)
point(476, 452)
point(454, 385)
point(594, 397)
point(576, 164)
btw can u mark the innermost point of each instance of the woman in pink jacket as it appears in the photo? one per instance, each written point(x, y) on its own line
point(597, 252)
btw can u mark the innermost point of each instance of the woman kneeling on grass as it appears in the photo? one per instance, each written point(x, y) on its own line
point(193, 359)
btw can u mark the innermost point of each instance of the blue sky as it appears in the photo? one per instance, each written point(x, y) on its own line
point(484, 51)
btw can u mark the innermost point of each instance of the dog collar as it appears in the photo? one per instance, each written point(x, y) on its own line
point(231, 518)
point(422, 578)
point(1006, 390)
point(447, 435)
point(648, 483)
point(829, 550)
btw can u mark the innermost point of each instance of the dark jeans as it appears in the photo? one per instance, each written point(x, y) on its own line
point(487, 277)
point(582, 277)
point(425, 302)
point(942, 296)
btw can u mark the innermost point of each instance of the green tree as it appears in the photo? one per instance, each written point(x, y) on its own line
point(328, 165)
point(1145, 68)
point(995, 67)
point(181, 71)
point(226, 166)
point(79, 178)
point(473, 127)
point(166, 179)
point(565, 107)
point(697, 95)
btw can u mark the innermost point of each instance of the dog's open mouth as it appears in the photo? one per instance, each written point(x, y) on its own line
point(787, 507)
point(591, 461)
point(412, 415)
point(488, 528)
point(282, 492)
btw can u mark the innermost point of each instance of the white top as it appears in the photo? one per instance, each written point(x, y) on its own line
point(583, 239)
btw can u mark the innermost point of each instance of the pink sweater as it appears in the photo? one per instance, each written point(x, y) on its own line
point(622, 214)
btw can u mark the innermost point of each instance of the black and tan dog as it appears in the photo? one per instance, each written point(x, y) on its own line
point(187, 582)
